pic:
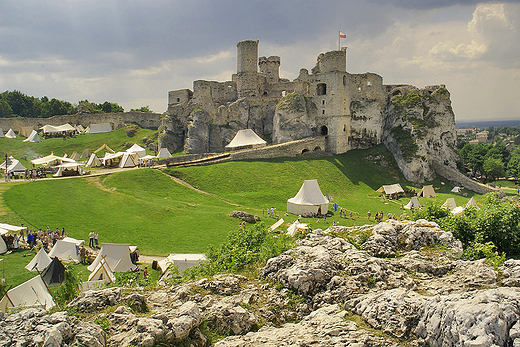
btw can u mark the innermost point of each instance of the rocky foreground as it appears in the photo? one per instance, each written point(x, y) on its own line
point(404, 288)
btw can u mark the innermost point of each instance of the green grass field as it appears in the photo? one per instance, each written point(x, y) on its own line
point(147, 208)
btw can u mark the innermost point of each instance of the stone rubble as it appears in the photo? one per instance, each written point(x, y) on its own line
point(323, 292)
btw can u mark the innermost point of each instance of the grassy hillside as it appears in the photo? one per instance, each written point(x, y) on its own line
point(148, 208)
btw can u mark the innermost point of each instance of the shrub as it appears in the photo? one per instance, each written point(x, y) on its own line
point(243, 250)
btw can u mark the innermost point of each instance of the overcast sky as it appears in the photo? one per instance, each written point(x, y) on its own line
point(134, 51)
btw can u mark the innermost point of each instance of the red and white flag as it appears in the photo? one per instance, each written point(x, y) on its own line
point(342, 36)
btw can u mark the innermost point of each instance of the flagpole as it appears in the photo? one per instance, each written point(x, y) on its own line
point(339, 40)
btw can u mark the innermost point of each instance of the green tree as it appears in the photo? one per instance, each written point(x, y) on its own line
point(110, 107)
point(493, 168)
point(142, 109)
point(5, 109)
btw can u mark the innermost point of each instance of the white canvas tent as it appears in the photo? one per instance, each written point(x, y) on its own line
point(473, 203)
point(137, 150)
point(39, 262)
point(32, 293)
point(413, 203)
point(93, 161)
point(48, 129)
point(33, 137)
point(449, 204)
point(10, 134)
point(65, 251)
point(1, 133)
point(99, 128)
point(309, 199)
point(164, 153)
point(14, 166)
point(183, 261)
point(117, 257)
point(3, 246)
point(391, 189)
point(102, 272)
point(129, 160)
point(427, 192)
point(65, 166)
point(296, 226)
point(74, 241)
point(246, 138)
point(80, 129)
point(455, 190)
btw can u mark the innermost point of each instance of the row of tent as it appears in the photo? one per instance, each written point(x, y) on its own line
point(32, 135)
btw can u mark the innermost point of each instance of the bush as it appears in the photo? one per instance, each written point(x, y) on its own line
point(496, 222)
point(244, 250)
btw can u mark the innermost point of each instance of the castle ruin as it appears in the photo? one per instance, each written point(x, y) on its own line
point(351, 110)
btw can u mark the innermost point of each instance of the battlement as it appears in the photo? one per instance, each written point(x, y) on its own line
point(270, 67)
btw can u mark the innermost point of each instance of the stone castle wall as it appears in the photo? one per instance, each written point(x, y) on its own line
point(118, 120)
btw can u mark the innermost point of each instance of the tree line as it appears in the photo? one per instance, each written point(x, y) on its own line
point(17, 104)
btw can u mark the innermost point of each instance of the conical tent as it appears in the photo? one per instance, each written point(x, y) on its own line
point(309, 199)
point(66, 251)
point(104, 147)
point(246, 138)
point(163, 153)
point(40, 261)
point(93, 161)
point(427, 192)
point(33, 137)
point(10, 134)
point(1, 132)
point(137, 149)
point(473, 203)
point(32, 293)
point(75, 156)
point(413, 203)
point(14, 166)
point(117, 257)
point(449, 204)
point(455, 190)
point(102, 272)
point(54, 274)
point(129, 160)
point(85, 154)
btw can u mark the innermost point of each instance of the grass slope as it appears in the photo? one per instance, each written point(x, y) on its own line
point(143, 207)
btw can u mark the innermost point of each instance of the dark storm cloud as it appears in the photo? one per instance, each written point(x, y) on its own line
point(130, 34)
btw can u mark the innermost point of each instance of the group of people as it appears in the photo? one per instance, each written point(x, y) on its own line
point(37, 239)
point(93, 239)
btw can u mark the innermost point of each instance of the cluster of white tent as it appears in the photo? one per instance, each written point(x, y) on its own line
point(451, 205)
point(34, 293)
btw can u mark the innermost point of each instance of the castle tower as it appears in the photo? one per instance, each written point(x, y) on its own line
point(247, 56)
point(270, 67)
point(247, 68)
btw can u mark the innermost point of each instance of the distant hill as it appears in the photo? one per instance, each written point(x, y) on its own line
point(485, 124)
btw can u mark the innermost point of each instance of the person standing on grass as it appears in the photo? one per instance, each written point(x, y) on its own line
point(368, 214)
point(96, 236)
point(91, 239)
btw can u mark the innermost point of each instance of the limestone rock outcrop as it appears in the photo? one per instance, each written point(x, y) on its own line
point(323, 292)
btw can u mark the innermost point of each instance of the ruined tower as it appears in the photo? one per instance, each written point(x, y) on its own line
point(247, 68)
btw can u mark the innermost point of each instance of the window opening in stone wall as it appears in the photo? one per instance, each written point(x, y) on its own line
point(265, 93)
point(359, 88)
point(324, 130)
point(304, 150)
point(284, 93)
point(369, 83)
point(322, 111)
point(178, 99)
point(317, 148)
point(321, 89)
point(344, 80)
point(323, 102)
